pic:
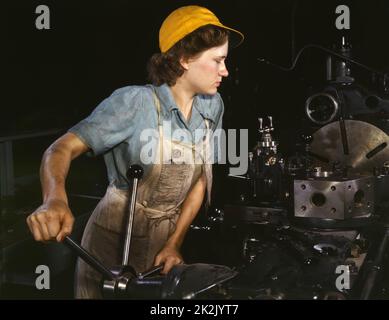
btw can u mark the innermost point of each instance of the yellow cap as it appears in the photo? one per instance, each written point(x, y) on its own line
point(185, 20)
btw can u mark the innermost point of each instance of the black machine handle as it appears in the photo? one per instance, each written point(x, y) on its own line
point(89, 259)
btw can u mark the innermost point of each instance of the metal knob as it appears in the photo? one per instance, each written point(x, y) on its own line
point(134, 172)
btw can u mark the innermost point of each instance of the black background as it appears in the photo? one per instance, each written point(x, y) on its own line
point(56, 77)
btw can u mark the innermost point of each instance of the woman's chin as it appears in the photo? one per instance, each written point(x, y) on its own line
point(212, 92)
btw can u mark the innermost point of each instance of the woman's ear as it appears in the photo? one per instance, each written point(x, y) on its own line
point(184, 62)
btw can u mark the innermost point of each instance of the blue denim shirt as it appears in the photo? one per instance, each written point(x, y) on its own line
point(115, 126)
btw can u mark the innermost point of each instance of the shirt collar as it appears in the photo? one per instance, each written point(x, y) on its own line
point(166, 97)
point(203, 105)
point(200, 102)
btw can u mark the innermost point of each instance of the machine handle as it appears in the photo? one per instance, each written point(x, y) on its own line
point(260, 130)
point(88, 258)
point(134, 172)
point(149, 272)
point(270, 122)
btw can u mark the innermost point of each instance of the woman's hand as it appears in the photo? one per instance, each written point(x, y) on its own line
point(169, 256)
point(51, 221)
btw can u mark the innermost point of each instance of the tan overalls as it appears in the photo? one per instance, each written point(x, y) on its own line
point(159, 199)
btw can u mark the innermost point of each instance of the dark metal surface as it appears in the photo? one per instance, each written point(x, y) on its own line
point(375, 267)
point(334, 198)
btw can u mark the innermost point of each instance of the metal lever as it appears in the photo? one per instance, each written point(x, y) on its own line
point(134, 173)
point(89, 259)
point(260, 124)
point(270, 122)
point(149, 272)
point(343, 135)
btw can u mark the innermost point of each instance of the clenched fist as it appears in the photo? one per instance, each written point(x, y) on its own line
point(53, 220)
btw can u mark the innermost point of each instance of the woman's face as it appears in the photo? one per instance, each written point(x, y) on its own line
point(205, 72)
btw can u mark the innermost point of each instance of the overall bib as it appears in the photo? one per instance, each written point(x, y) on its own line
point(159, 199)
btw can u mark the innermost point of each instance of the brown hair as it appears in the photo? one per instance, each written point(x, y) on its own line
point(166, 68)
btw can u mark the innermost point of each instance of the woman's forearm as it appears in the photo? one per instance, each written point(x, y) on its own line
point(53, 172)
point(55, 166)
point(189, 210)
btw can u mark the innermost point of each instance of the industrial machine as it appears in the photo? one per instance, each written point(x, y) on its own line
point(302, 218)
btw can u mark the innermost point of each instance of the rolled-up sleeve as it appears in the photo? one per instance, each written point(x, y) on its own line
point(113, 121)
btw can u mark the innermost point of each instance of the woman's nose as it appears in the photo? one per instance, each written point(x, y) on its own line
point(223, 72)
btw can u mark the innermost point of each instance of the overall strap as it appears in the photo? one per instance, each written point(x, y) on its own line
point(207, 167)
point(160, 127)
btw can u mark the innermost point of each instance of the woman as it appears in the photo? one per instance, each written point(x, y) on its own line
point(183, 97)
